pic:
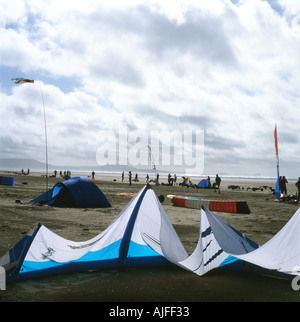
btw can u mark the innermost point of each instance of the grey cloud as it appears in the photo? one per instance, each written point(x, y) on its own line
point(196, 122)
point(171, 121)
point(288, 138)
point(221, 143)
point(201, 35)
point(15, 148)
point(117, 69)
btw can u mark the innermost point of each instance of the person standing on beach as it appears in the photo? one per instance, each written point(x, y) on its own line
point(157, 180)
point(297, 184)
point(217, 182)
point(129, 177)
point(282, 185)
point(123, 176)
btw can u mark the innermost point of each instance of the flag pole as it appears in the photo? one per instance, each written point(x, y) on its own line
point(277, 188)
point(46, 140)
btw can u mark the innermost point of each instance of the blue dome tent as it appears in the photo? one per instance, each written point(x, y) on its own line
point(204, 183)
point(75, 192)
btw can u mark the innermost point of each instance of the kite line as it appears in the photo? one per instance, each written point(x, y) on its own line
point(25, 80)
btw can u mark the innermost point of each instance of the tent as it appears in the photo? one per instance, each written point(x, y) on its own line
point(204, 183)
point(8, 181)
point(75, 192)
point(186, 181)
point(139, 236)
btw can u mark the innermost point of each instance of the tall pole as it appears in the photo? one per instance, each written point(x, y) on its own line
point(277, 188)
point(46, 141)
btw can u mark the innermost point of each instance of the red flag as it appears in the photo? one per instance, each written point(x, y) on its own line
point(277, 191)
point(276, 142)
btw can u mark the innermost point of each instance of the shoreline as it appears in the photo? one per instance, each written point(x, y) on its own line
point(243, 183)
point(117, 174)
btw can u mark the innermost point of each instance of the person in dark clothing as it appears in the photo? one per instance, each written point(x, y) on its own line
point(130, 177)
point(297, 184)
point(217, 183)
point(282, 185)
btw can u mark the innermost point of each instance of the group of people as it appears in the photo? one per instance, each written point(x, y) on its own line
point(171, 180)
point(136, 178)
point(282, 185)
point(283, 189)
point(66, 174)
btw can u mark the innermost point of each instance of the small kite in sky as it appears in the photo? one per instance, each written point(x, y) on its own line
point(22, 80)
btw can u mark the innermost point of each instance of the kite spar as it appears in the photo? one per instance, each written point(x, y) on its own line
point(152, 162)
point(25, 80)
point(152, 159)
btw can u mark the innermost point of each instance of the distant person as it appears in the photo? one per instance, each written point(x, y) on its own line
point(123, 176)
point(130, 177)
point(157, 180)
point(67, 175)
point(175, 179)
point(208, 179)
point(217, 183)
point(297, 184)
point(147, 178)
point(93, 175)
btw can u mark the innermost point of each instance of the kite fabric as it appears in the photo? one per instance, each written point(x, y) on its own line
point(142, 235)
point(22, 80)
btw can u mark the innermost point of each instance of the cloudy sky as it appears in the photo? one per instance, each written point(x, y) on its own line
point(228, 68)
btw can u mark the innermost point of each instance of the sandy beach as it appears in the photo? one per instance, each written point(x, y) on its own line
point(160, 284)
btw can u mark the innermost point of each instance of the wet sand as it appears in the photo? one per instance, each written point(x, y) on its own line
point(159, 284)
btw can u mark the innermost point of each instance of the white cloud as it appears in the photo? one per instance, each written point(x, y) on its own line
point(229, 69)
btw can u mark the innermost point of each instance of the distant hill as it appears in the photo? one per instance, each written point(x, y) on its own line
point(34, 165)
point(13, 164)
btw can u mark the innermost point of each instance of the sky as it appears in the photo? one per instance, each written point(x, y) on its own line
point(227, 68)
